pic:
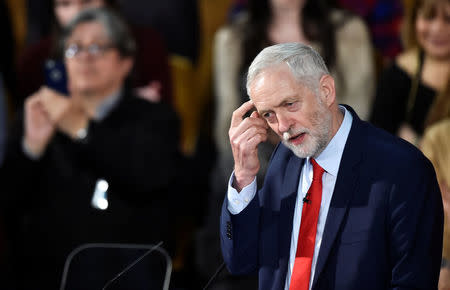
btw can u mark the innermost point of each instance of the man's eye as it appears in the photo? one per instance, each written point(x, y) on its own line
point(266, 115)
point(290, 104)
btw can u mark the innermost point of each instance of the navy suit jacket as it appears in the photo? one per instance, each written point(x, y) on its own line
point(383, 229)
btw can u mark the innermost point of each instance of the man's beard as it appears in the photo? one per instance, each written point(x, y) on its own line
point(316, 139)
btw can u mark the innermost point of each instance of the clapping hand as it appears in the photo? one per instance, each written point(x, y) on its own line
point(47, 111)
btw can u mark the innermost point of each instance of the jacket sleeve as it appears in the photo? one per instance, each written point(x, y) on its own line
point(239, 236)
point(415, 215)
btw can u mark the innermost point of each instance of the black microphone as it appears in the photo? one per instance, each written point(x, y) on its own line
point(305, 199)
point(153, 248)
point(127, 268)
point(213, 277)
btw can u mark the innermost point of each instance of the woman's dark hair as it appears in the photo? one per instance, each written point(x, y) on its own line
point(316, 23)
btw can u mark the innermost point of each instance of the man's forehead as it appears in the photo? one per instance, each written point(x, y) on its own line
point(279, 70)
point(272, 77)
point(276, 82)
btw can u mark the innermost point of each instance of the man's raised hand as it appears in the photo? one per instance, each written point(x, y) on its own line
point(245, 135)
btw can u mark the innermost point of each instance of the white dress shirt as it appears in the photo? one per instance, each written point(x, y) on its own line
point(329, 160)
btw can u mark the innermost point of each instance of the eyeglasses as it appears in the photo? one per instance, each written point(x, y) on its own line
point(94, 50)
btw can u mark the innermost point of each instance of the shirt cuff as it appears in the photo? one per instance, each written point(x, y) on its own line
point(238, 201)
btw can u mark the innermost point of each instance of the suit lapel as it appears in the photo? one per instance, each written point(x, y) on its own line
point(346, 184)
point(287, 206)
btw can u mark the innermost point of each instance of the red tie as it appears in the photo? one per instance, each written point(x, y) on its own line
point(307, 234)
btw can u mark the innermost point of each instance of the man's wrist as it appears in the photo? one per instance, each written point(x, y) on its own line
point(239, 182)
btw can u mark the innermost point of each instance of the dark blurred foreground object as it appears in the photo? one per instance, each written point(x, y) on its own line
point(117, 266)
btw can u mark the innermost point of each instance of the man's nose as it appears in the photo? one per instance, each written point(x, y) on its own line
point(284, 123)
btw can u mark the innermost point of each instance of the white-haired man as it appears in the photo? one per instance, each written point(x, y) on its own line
point(344, 205)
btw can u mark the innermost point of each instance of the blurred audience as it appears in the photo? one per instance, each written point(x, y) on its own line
point(383, 18)
point(151, 75)
point(408, 87)
point(436, 146)
point(99, 138)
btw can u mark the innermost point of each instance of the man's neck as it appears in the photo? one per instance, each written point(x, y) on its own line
point(338, 117)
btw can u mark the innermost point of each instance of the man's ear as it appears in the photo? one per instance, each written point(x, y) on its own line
point(327, 89)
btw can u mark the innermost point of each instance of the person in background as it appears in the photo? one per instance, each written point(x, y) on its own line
point(436, 146)
point(408, 87)
point(441, 106)
point(64, 146)
point(151, 75)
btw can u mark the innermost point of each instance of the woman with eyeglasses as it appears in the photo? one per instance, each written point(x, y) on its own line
point(40, 62)
point(408, 87)
point(98, 165)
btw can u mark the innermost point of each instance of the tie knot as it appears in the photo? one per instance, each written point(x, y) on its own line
point(317, 170)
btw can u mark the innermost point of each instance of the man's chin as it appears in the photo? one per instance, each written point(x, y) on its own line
point(298, 150)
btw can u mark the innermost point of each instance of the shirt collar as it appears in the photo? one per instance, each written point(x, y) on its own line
point(107, 105)
point(330, 158)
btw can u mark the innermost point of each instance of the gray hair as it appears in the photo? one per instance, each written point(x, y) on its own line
point(115, 27)
point(305, 63)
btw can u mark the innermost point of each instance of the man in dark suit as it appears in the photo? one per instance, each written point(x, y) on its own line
point(344, 205)
point(67, 151)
